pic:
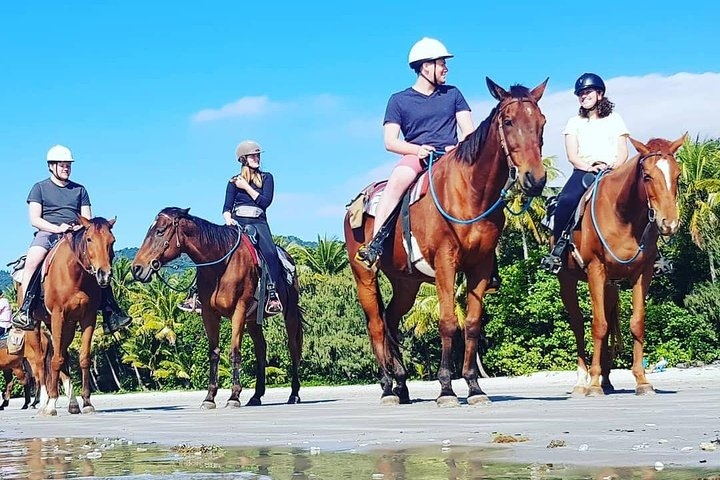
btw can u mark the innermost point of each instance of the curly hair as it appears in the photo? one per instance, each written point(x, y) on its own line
point(604, 108)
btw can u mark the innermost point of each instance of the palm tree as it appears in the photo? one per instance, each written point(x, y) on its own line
point(699, 199)
point(529, 221)
point(328, 258)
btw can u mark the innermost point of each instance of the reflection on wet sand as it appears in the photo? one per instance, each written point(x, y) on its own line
point(57, 458)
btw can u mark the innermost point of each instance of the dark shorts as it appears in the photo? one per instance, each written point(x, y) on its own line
point(45, 240)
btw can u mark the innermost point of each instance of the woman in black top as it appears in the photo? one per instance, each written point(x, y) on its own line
point(247, 197)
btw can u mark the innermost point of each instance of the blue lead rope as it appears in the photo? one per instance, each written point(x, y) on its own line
point(500, 201)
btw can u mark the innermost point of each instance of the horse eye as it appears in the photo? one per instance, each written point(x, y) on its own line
point(647, 177)
point(89, 240)
point(507, 122)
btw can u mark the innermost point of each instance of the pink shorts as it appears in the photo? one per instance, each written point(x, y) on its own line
point(412, 161)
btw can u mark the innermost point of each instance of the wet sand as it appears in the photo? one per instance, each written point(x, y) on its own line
point(621, 429)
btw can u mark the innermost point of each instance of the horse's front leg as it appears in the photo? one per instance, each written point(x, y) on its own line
point(568, 294)
point(445, 282)
point(238, 327)
point(88, 328)
point(258, 338)
point(473, 330)
point(61, 337)
point(596, 283)
point(637, 328)
point(211, 322)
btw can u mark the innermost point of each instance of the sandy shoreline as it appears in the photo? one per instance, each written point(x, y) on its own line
point(615, 430)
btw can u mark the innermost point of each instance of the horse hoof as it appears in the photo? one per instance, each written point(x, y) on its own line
point(579, 391)
point(88, 410)
point(447, 401)
point(74, 408)
point(293, 399)
point(644, 389)
point(24, 407)
point(48, 412)
point(595, 392)
point(206, 405)
point(233, 404)
point(254, 402)
point(478, 400)
point(389, 400)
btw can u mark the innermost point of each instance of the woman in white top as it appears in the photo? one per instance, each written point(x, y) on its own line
point(595, 139)
point(5, 314)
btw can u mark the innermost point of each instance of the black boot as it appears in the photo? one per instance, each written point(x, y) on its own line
point(552, 263)
point(113, 317)
point(23, 319)
point(369, 254)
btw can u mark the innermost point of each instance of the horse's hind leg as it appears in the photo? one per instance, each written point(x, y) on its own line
point(611, 312)
point(568, 293)
point(258, 338)
point(85, 361)
point(294, 328)
point(211, 321)
point(371, 303)
point(401, 302)
point(24, 380)
point(8, 376)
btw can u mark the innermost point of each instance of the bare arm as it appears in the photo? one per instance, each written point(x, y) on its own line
point(36, 220)
point(621, 155)
point(465, 122)
point(86, 211)
point(393, 143)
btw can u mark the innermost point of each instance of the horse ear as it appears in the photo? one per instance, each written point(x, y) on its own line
point(538, 91)
point(496, 90)
point(83, 221)
point(639, 146)
point(185, 211)
point(678, 143)
point(112, 221)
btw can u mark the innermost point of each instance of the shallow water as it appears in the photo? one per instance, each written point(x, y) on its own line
point(50, 458)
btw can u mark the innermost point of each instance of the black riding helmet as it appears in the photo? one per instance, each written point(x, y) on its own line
point(589, 80)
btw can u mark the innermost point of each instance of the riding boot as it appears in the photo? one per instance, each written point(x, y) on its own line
point(113, 316)
point(273, 305)
point(495, 280)
point(552, 263)
point(23, 318)
point(370, 254)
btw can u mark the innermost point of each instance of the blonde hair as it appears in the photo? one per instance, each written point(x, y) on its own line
point(251, 176)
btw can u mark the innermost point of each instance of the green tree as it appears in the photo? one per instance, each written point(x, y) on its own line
point(328, 258)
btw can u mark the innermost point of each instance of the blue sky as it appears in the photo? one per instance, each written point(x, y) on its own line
point(152, 97)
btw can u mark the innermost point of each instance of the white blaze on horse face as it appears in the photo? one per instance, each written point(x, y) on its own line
point(664, 167)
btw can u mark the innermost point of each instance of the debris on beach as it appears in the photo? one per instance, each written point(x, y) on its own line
point(501, 438)
point(198, 450)
point(556, 444)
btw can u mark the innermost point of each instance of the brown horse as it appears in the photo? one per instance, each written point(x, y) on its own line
point(617, 240)
point(227, 277)
point(15, 364)
point(504, 149)
point(80, 266)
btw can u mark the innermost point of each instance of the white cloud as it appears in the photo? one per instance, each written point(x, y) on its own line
point(244, 107)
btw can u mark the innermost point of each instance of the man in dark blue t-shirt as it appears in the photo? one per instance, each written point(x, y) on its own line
point(428, 115)
point(54, 205)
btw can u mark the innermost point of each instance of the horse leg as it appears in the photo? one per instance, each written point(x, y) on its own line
point(260, 345)
point(294, 328)
point(445, 282)
point(73, 406)
point(402, 300)
point(85, 360)
point(611, 312)
point(637, 328)
point(371, 303)
point(568, 294)
point(8, 376)
point(238, 327)
point(473, 330)
point(597, 283)
point(24, 381)
point(59, 350)
point(211, 321)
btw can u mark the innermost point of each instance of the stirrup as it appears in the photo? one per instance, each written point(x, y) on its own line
point(273, 305)
point(367, 255)
point(551, 263)
point(493, 284)
point(23, 321)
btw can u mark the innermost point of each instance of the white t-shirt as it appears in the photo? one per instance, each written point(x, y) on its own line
point(5, 312)
point(597, 139)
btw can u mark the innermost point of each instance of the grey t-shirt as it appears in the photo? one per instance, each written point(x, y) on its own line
point(59, 204)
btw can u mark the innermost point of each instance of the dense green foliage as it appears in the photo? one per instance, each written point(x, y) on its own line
point(526, 330)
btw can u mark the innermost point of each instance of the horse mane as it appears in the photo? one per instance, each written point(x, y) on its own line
point(469, 149)
point(210, 234)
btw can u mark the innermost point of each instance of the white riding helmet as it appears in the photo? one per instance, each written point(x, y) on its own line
point(427, 49)
point(246, 148)
point(59, 153)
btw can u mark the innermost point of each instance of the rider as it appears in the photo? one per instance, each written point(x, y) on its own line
point(54, 206)
point(595, 140)
point(428, 115)
point(247, 196)
point(5, 313)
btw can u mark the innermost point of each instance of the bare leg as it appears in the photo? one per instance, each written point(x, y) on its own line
point(400, 178)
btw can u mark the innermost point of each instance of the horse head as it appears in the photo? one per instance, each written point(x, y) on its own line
point(660, 174)
point(520, 127)
point(161, 244)
point(96, 250)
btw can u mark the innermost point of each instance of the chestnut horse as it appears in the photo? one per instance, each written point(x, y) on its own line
point(227, 277)
point(468, 181)
point(81, 265)
point(617, 240)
